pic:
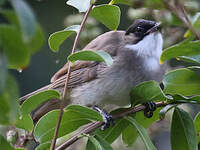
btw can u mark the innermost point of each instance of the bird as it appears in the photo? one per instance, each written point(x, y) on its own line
point(136, 58)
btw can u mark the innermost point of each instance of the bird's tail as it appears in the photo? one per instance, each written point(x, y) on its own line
point(48, 105)
point(23, 98)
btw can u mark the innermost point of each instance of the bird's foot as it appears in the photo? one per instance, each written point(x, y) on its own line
point(108, 119)
point(150, 107)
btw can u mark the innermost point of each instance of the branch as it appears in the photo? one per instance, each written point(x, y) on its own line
point(94, 125)
point(179, 11)
point(64, 96)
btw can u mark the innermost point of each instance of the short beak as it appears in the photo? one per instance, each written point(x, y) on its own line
point(155, 28)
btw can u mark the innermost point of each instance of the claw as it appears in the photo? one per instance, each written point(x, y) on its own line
point(150, 108)
point(108, 119)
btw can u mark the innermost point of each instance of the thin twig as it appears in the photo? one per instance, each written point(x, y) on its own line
point(182, 15)
point(64, 96)
point(94, 125)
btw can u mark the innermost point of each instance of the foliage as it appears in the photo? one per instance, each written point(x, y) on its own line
point(23, 36)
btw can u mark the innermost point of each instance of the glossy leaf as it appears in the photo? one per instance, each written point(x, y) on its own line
point(97, 143)
point(4, 144)
point(9, 102)
point(182, 81)
point(146, 91)
point(57, 38)
point(72, 119)
point(109, 15)
point(190, 59)
point(143, 133)
point(183, 135)
point(90, 113)
point(34, 101)
point(129, 135)
point(197, 126)
point(3, 71)
point(190, 99)
point(26, 18)
point(112, 133)
point(81, 5)
point(186, 48)
point(24, 122)
point(16, 51)
point(93, 144)
point(88, 55)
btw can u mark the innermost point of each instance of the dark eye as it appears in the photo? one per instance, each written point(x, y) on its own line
point(139, 29)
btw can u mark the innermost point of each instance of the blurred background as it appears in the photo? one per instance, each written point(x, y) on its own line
point(56, 15)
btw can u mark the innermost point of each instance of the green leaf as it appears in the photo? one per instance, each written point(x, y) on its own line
point(190, 59)
point(125, 2)
point(185, 48)
point(24, 122)
point(26, 18)
point(93, 144)
point(112, 133)
point(197, 125)
point(105, 145)
point(57, 38)
point(89, 55)
point(109, 15)
point(143, 133)
point(16, 51)
point(3, 71)
point(129, 135)
point(38, 38)
point(90, 113)
point(72, 119)
point(97, 142)
point(9, 102)
point(81, 5)
point(44, 146)
point(183, 135)
point(34, 101)
point(146, 91)
point(182, 81)
point(181, 98)
point(4, 144)
point(196, 26)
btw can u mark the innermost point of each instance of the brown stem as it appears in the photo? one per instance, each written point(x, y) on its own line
point(94, 125)
point(64, 96)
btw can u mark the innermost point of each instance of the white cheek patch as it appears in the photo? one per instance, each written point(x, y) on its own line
point(151, 45)
point(150, 48)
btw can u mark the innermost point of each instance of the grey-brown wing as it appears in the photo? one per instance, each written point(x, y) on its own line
point(81, 75)
point(108, 42)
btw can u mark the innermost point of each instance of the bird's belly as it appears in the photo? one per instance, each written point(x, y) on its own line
point(102, 92)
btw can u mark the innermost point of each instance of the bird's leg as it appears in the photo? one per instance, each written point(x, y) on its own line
point(108, 119)
point(150, 107)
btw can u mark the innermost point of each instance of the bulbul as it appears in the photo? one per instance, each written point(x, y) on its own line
point(136, 53)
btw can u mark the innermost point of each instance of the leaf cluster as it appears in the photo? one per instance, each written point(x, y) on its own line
point(180, 85)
